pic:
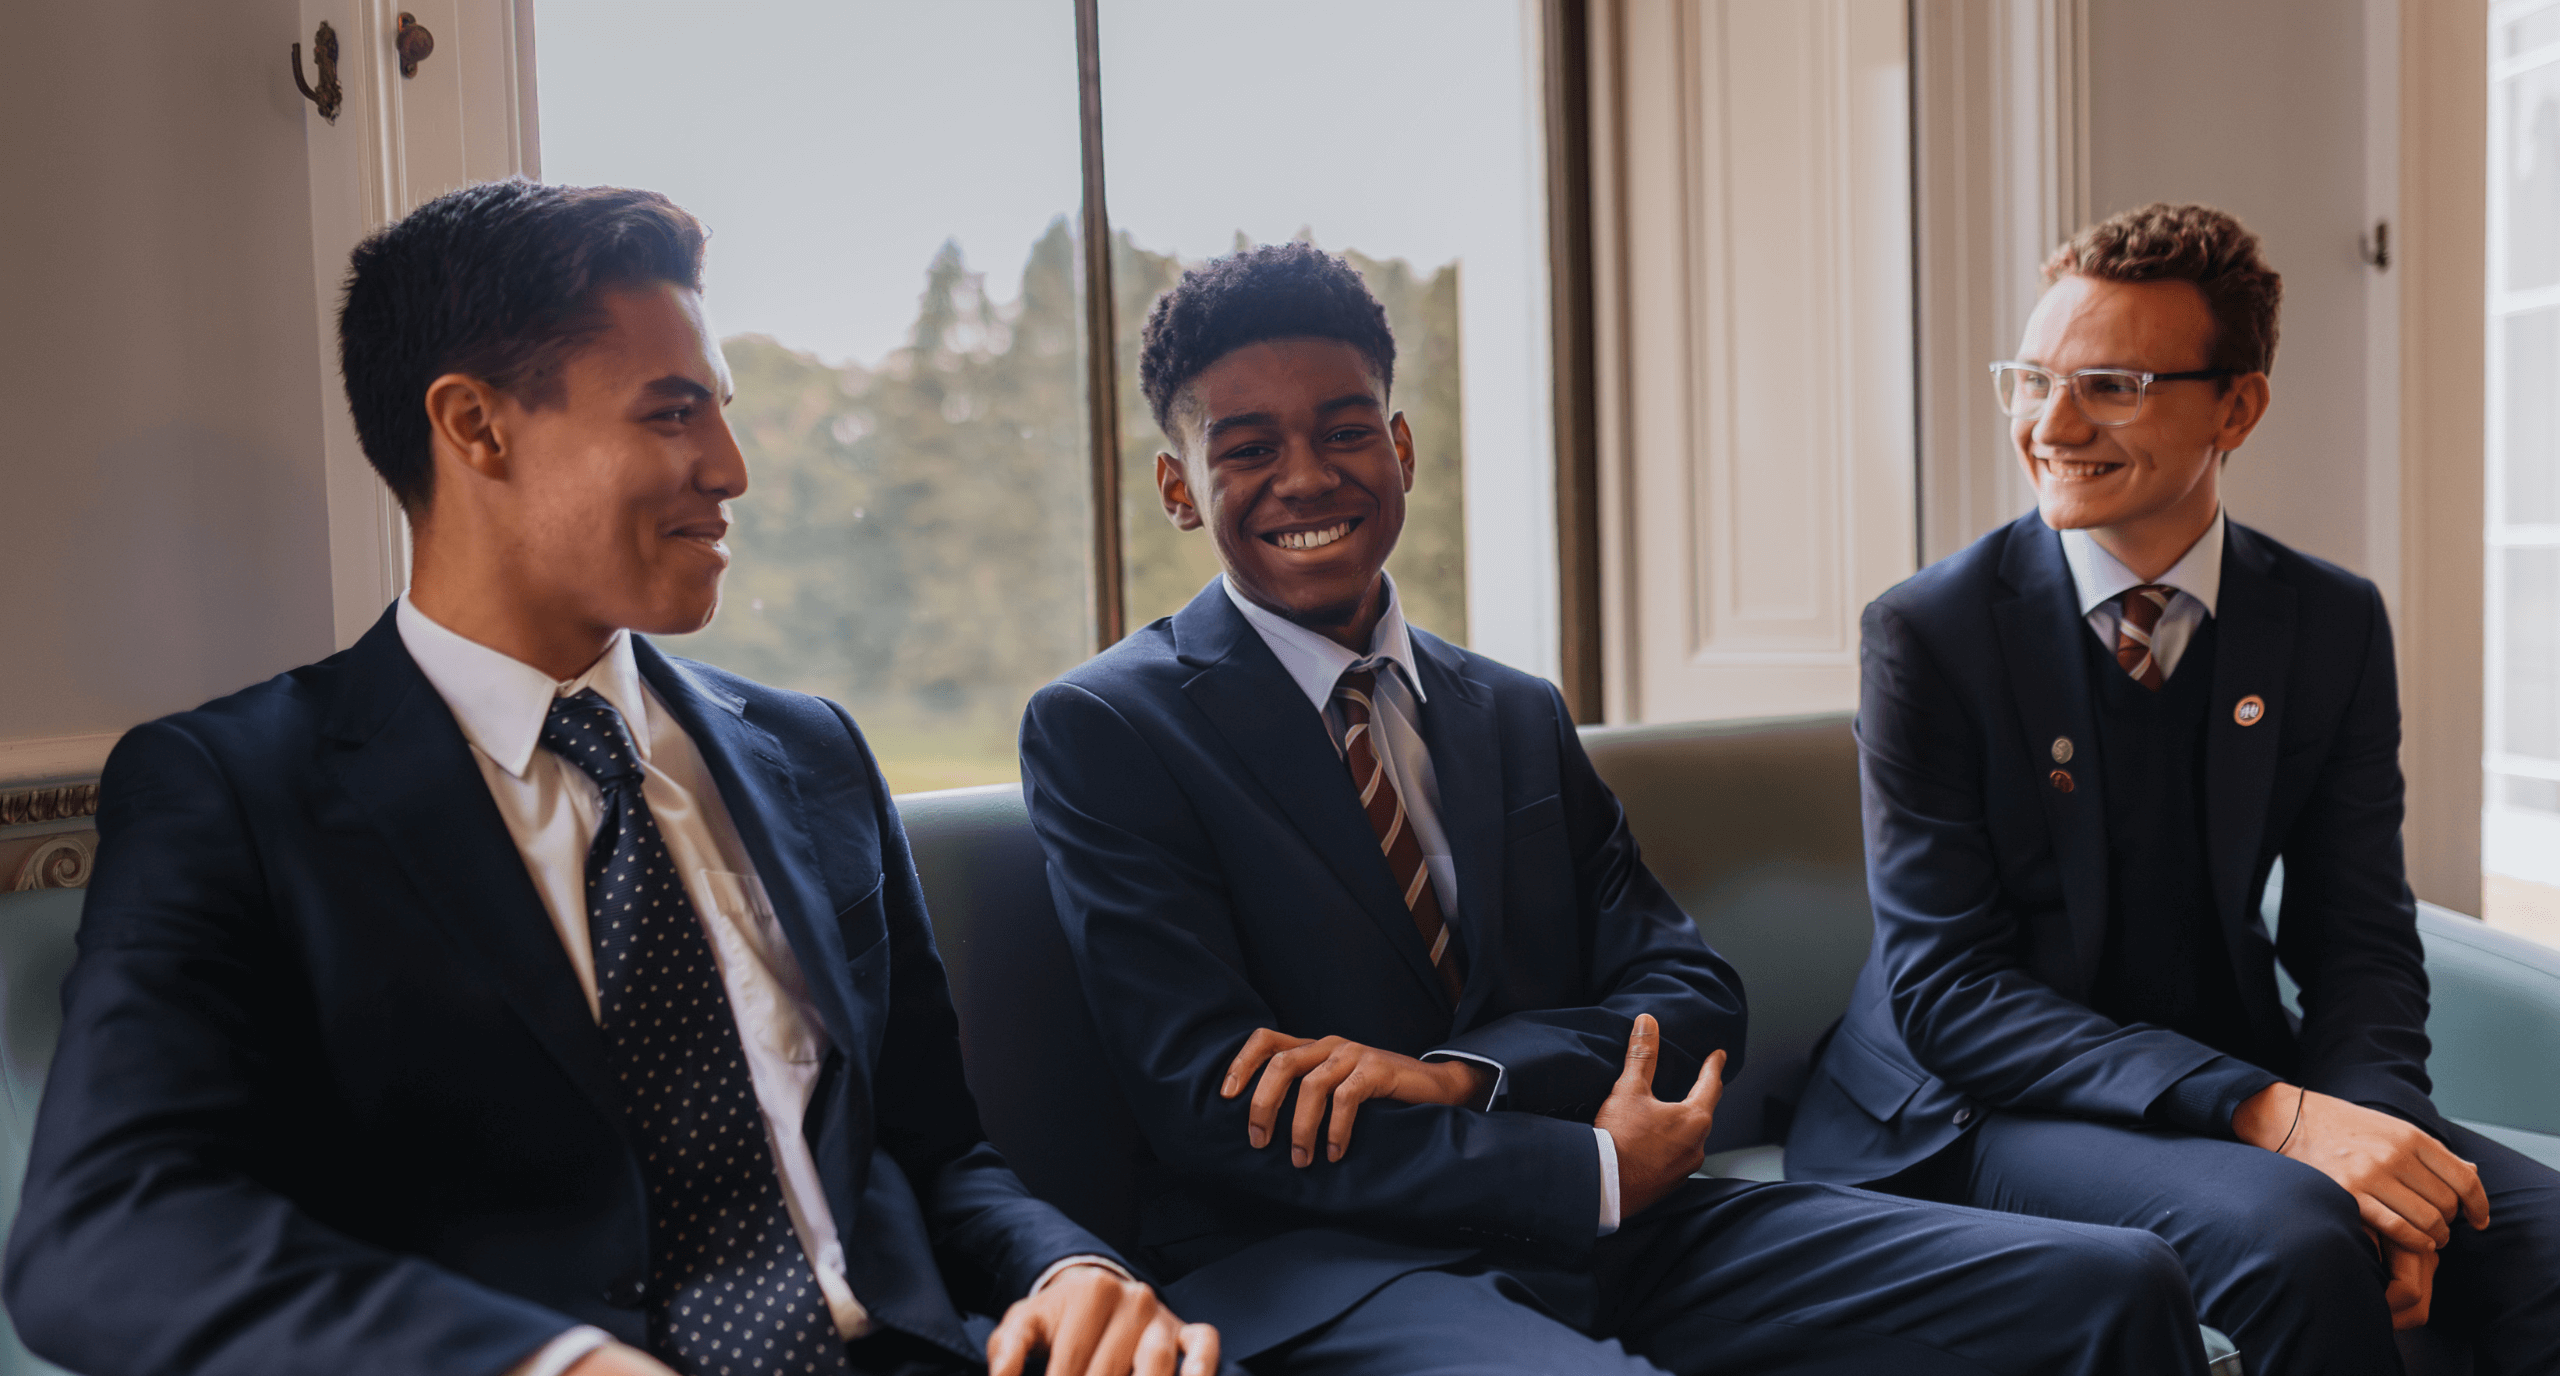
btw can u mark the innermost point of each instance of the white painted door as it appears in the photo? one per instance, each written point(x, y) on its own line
point(1757, 338)
point(464, 115)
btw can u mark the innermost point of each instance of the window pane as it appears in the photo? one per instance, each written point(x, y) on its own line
point(2531, 674)
point(2529, 451)
point(1224, 127)
point(891, 191)
point(2531, 177)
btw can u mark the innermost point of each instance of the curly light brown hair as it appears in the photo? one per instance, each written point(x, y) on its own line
point(2188, 243)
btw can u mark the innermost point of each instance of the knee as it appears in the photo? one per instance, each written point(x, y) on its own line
point(2300, 1224)
point(2125, 1269)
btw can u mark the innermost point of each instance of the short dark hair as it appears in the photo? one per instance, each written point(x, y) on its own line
point(499, 281)
point(2188, 243)
point(1275, 291)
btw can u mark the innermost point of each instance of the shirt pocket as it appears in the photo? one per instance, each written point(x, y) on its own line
point(767, 990)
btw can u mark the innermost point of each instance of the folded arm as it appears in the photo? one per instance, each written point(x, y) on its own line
point(1150, 928)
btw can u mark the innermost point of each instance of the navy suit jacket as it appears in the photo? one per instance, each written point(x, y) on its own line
point(1990, 879)
point(1215, 874)
point(329, 1099)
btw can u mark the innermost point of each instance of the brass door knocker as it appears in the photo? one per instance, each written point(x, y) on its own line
point(413, 42)
point(324, 56)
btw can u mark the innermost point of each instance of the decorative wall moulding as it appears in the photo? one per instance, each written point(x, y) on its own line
point(50, 760)
point(49, 803)
point(60, 862)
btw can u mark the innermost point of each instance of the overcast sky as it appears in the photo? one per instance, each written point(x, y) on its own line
point(833, 146)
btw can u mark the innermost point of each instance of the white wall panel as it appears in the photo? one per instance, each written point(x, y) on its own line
point(1758, 339)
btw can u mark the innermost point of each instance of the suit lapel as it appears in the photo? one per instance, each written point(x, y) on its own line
point(2253, 658)
point(1459, 728)
point(411, 774)
point(2049, 680)
point(754, 775)
point(1253, 703)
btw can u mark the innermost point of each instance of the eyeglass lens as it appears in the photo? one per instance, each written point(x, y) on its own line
point(2105, 395)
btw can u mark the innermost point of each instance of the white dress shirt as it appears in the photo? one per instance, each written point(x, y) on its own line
point(552, 810)
point(2101, 578)
point(1315, 663)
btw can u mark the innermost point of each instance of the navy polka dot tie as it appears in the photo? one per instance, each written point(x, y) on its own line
point(730, 1291)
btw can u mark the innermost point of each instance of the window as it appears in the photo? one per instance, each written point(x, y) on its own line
point(2520, 832)
point(897, 267)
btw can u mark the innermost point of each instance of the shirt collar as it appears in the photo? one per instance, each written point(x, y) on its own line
point(500, 701)
point(1315, 663)
point(2100, 577)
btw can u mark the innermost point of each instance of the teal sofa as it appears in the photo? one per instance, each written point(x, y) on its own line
point(1752, 825)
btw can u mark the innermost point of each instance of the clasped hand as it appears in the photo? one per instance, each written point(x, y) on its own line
point(1658, 1143)
point(2407, 1186)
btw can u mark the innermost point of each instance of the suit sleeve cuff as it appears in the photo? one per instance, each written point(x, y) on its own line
point(1501, 1075)
point(2203, 1100)
point(1063, 1263)
point(562, 1353)
point(1609, 1219)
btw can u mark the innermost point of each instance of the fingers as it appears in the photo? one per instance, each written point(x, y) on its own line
point(1362, 1085)
point(1087, 1317)
point(1159, 1348)
point(1315, 1092)
point(1709, 1089)
point(1117, 1350)
point(1278, 1075)
point(1199, 1350)
point(1011, 1344)
point(2395, 1230)
point(2415, 1209)
point(2459, 1176)
point(1644, 1046)
point(1261, 1046)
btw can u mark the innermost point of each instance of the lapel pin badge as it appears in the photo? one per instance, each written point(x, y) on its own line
point(2062, 750)
point(2249, 711)
point(2061, 780)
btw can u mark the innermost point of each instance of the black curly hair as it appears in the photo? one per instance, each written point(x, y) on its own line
point(1274, 291)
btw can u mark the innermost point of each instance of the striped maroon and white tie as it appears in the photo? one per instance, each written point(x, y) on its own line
point(1387, 818)
point(2134, 625)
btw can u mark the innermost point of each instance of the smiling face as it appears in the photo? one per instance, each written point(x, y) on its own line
point(2156, 481)
point(555, 525)
point(1290, 458)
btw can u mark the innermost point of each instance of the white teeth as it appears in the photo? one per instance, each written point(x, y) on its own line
point(1312, 539)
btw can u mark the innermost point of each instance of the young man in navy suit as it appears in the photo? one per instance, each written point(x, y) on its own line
point(2085, 742)
point(502, 995)
point(1390, 992)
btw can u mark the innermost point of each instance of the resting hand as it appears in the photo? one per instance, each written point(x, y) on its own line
point(1658, 1144)
point(2408, 1188)
point(1092, 1322)
point(2412, 1288)
point(615, 1359)
point(1343, 1075)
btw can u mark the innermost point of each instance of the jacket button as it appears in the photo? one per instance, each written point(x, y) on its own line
point(1963, 1116)
point(625, 1293)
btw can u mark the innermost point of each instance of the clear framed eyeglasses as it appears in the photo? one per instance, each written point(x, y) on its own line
point(2107, 396)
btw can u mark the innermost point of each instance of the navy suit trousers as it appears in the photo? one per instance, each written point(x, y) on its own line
point(1734, 1277)
point(2273, 1248)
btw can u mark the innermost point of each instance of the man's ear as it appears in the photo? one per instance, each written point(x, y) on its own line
point(2242, 408)
point(1402, 435)
point(1175, 489)
point(462, 415)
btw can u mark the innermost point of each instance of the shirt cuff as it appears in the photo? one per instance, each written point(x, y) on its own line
point(1608, 1181)
point(1063, 1263)
point(2203, 1100)
point(562, 1353)
point(1501, 1075)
